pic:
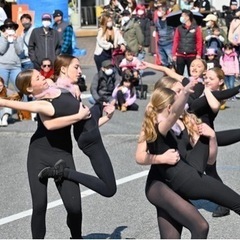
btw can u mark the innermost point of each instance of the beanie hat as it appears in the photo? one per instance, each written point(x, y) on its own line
point(46, 16)
point(57, 13)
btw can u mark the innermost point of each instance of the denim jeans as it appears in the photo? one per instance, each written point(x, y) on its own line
point(9, 77)
point(165, 53)
point(229, 81)
point(27, 65)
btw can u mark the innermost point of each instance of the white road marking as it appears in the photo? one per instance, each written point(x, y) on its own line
point(56, 203)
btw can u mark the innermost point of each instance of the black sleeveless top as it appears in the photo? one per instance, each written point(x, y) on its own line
point(64, 105)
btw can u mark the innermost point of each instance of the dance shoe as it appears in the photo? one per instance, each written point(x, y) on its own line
point(220, 212)
point(55, 172)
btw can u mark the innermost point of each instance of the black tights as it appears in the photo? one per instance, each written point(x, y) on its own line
point(173, 212)
point(89, 140)
point(69, 191)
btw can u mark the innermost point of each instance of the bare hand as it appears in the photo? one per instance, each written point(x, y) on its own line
point(190, 86)
point(205, 130)
point(172, 156)
point(109, 109)
point(84, 112)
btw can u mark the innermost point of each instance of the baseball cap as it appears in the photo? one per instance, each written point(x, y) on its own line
point(107, 63)
point(210, 17)
point(46, 16)
point(233, 2)
point(57, 13)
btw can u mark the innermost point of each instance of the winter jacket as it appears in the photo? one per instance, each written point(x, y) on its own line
point(230, 63)
point(43, 45)
point(102, 86)
point(133, 35)
point(103, 44)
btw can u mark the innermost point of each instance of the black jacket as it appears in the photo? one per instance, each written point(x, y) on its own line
point(43, 45)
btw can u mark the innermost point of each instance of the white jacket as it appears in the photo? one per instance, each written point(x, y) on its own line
point(102, 43)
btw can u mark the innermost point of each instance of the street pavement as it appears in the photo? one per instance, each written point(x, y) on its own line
point(127, 215)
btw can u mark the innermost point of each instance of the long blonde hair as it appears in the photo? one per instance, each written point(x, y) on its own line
point(159, 100)
point(191, 121)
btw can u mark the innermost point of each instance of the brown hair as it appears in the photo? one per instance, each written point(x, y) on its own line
point(63, 60)
point(3, 93)
point(23, 81)
point(103, 24)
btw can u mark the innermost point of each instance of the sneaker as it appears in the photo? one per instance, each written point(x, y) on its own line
point(221, 212)
point(59, 167)
point(4, 122)
point(55, 172)
point(123, 109)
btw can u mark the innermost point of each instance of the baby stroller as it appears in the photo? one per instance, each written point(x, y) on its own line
point(117, 57)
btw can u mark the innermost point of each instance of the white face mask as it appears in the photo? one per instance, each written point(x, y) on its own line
point(208, 24)
point(46, 23)
point(125, 19)
point(140, 12)
point(109, 24)
point(109, 71)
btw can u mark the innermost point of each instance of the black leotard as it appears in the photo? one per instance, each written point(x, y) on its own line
point(88, 137)
point(45, 149)
point(187, 181)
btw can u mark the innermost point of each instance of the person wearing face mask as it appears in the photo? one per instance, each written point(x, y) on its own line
point(108, 39)
point(11, 46)
point(44, 42)
point(132, 33)
point(145, 24)
point(187, 42)
point(163, 37)
point(103, 83)
point(26, 21)
point(213, 35)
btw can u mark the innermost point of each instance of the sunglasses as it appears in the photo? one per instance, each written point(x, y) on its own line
point(46, 65)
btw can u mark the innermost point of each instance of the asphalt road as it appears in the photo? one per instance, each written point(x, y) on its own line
point(127, 215)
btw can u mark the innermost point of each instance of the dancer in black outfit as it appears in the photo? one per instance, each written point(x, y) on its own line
point(49, 146)
point(181, 177)
point(87, 135)
point(45, 149)
point(197, 70)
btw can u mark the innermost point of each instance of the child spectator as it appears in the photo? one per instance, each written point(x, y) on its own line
point(212, 59)
point(216, 40)
point(230, 65)
point(125, 94)
point(4, 111)
point(46, 68)
point(131, 62)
